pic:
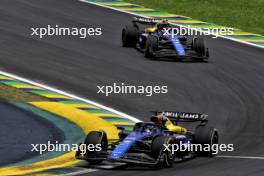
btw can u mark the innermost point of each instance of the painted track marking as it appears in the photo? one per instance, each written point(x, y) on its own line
point(135, 14)
point(70, 95)
point(240, 157)
point(78, 172)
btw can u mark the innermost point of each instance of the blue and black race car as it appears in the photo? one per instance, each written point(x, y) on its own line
point(154, 39)
point(154, 143)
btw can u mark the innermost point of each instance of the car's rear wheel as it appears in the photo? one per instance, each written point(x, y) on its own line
point(208, 137)
point(130, 36)
point(198, 45)
point(151, 46)
point(94, 138)
point(165, 158)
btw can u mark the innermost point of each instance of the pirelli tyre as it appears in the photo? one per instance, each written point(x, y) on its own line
point(94, 138)
point(164, 157)
point(130, 34)
point(207, 136)
point(199, 46)
point(151, 47)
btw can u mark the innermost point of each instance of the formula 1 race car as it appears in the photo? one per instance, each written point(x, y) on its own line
point(155, 39)
point(152, 143)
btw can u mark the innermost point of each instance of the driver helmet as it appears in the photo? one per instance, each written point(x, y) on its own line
point(163, 24)
point(159, 119)
point(147, 130)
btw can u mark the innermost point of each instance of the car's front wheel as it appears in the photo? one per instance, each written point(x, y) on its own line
point(95, 138)
point(164, 157)
point(151, 46)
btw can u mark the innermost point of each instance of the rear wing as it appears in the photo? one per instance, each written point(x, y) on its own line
point(145, 20)
point(177, 116)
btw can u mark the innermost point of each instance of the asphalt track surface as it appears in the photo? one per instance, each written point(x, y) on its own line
point(20, 129)
point(229, 88)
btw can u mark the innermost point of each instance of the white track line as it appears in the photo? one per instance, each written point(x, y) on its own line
point(135, 14)
point(79, 172)
point(220, 156)
point(75, 97)
point(70, 95)
point(241, 157)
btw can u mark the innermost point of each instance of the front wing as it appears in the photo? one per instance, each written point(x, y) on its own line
point(131, 158)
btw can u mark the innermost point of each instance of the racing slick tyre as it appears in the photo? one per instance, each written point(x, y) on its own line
point(94, 138)
point(207, 136)
point(199, 46)
point(151, 47)
point(79, 151)
point(130, 36)
point(165, 158)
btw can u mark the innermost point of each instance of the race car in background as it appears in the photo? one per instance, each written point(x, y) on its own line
point(148, 35)
point(145, 145)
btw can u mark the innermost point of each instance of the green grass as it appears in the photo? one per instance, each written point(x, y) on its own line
point(247, 15)
point(12, 94)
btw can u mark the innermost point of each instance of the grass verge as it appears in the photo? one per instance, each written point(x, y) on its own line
point(243, 14)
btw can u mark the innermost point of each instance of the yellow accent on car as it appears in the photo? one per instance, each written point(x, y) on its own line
point(175, 128)
point(151, 29)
